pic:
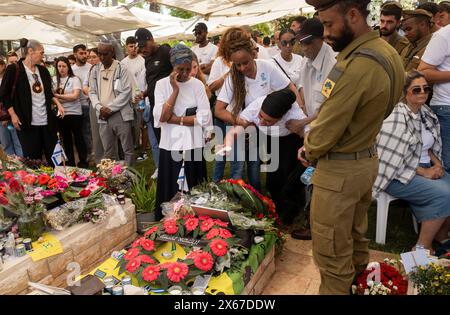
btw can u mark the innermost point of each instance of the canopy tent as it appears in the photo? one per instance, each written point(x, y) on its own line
point(72, 15)
point(155, 18)
point(16, 27)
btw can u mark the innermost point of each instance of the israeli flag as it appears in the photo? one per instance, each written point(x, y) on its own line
point(182, 183)
point(58, 155)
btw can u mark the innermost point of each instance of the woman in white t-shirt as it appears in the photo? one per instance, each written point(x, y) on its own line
point(288, 62)
point(248, 79)
point(270, 115)
point(68, 91)
point(181, 111)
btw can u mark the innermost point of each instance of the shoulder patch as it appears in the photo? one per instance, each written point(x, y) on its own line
point(328, 87)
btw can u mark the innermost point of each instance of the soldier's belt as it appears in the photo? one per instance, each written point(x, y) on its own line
point(364, 154)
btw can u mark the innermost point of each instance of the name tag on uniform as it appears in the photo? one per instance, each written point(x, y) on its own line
point(328, 87)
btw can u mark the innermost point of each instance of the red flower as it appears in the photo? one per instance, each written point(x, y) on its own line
point(132, 253)
point(15, 186)
point(21, 174)
point(170, 226)
point(151, 273)
point(219, 247)
point(191, 224)
point(3, 200)
point(146, 259)
point(43, 179)
point(188, 216)
point(219, 222)
point(29, 179)
point(224, 233)
point(7, 175)
point(260, 215)
point(177, 271)
point(212, 233)
point(137, 243)
point(133, 265)
point(204, 217)
point(148, 245)
point(207, 225)
point(204, 261)
point(84, 193)
point(151, 231)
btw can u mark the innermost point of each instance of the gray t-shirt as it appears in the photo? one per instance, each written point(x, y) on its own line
point(73, 83)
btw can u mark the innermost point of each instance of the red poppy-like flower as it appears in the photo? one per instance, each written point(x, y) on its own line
point(151, 273)
point(132, 253)
point(212, 233)
point(43, 179)
point(220, 223)
point(136, 243)
point(204, 261)
point(7, 175)
point(170, 226)
point(151, 231)
point(84, 193)
point(206, 225)
point(219, 247)
point(146, 259)
point(177, 271)
point(224, 233)
point(148, 245)
point(15, 186)
point(191, 224)
point(133, 265)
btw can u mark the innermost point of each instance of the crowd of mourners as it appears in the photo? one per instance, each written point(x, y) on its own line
point(171, 101)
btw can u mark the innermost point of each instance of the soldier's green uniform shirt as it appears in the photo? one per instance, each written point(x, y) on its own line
point(398, 42)
point(412, 54)
point(351, 116)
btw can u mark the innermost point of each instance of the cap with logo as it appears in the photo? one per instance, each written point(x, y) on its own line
point(311, 28)
point(142, 35)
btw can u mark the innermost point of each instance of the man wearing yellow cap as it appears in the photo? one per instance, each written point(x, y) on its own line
point(417, 27)
point(359, 92)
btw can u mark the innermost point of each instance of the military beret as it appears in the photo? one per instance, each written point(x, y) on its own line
point(321, 5)
point(407, 14)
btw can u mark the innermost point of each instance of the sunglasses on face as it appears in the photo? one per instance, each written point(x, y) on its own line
point(416, 90)
point(291, 42)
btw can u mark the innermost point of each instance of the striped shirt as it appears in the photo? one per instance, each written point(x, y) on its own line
point(399, 144)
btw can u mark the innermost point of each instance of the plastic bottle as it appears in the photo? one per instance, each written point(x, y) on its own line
point(141, 104)
point(307, 175)
point(10, 245)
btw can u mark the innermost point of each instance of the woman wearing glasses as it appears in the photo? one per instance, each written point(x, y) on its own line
point(288, 62)
point(27, 93)
point(409, 148)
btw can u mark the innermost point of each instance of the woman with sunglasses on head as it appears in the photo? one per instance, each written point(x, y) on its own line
point(409, 148)
point(67, 91)
point(27, 93)
point(288, 62)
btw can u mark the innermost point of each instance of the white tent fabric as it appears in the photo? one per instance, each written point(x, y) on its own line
point(69, 14)
point(16, 27)
point(154, 18)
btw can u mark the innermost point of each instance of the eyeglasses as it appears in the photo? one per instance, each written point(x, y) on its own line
point(291, 42)
point(419, 89)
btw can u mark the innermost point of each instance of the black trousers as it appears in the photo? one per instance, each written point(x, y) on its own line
point(71, 131)
point(284, 185)
point(37, 141)
point(168, 171)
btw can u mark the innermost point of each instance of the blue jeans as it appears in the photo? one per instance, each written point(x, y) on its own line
point(10, 141)
point(443, 114)
point(153, 140)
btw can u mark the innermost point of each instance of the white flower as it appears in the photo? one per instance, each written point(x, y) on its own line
point(370, 283)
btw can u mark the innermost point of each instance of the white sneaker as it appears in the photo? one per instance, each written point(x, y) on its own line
point(155, 174)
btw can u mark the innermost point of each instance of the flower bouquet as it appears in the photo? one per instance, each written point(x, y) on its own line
point(381, 279)
point(433, 279)
point(119, 176)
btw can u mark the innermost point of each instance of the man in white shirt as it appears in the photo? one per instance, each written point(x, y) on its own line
point(206, 51)
point(315, 67)
point(275, 49)
point(135, 64)
point(435, 65)
point(81, 69)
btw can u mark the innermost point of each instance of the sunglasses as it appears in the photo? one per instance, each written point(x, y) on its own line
point(419, 89)
point(291, 42)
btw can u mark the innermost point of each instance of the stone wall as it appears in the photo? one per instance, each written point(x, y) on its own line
point(87, 244)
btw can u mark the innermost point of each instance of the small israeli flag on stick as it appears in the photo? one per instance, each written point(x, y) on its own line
point(59, 156)
point(182, 183)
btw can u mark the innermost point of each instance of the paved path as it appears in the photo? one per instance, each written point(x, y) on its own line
point(296, 272)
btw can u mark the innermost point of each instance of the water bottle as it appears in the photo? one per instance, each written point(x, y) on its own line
point(307, 175)
point(142, 104)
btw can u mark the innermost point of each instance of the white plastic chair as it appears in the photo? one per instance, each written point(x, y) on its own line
point(383, 202)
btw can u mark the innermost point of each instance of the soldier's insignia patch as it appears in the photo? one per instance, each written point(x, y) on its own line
point(328, 87)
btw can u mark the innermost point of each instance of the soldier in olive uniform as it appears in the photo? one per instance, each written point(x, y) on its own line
point(342, 140)
point(390, 20)
point(417, 27)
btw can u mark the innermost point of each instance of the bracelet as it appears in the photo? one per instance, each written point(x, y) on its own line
point(181, 121)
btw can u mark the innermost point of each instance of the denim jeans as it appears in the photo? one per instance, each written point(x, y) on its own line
point(443, 114)
point(10, 141)
point(153, 140)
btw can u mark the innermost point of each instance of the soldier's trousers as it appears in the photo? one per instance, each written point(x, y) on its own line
point(341, 197)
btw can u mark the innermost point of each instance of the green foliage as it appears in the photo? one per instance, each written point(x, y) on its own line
point(180, 13)
point(143, 195)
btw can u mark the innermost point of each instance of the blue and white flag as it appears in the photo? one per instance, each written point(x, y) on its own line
point(182, 182)
point(58, 155)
